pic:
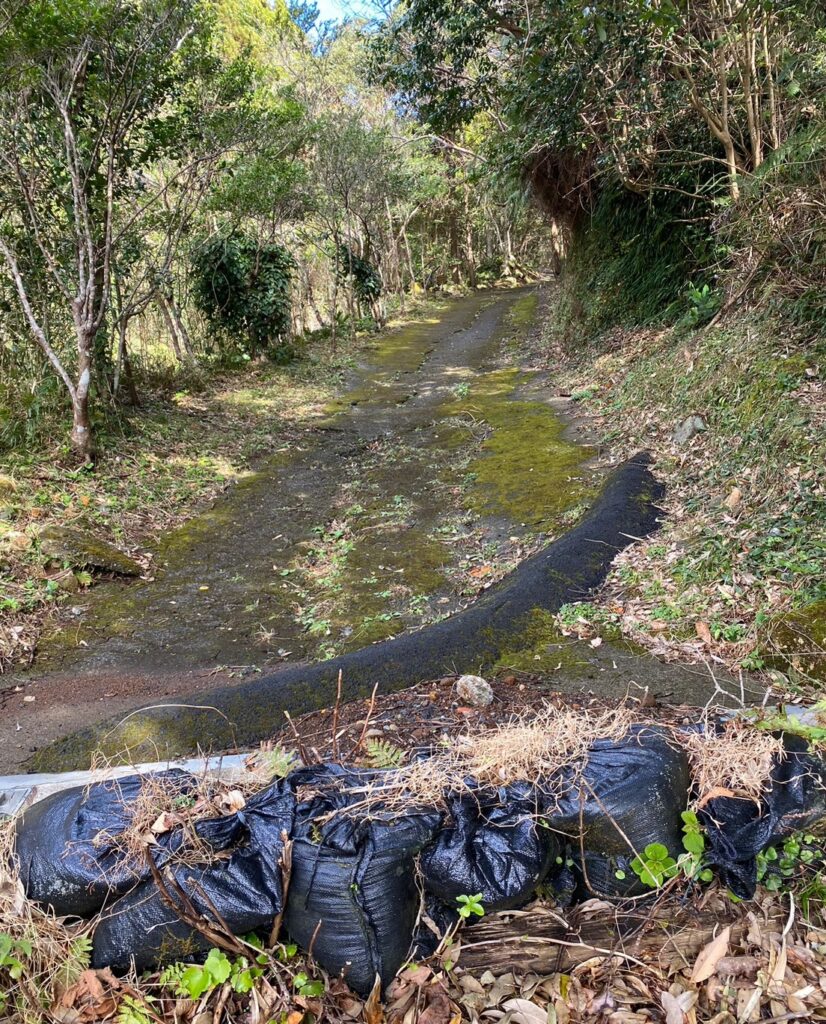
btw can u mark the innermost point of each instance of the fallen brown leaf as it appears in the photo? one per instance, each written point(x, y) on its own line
point(709, 956)
point(523, 1011)
point(439, 1009)
point(373, 1010)
point(93, 997)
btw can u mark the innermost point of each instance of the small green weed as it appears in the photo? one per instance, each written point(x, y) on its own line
point(195, 980)
point(703, 303)
point(779, 868)
point(278, 762)
point(469, 905)
point(691, 863)
point(306, 986)
point(654, 866)
point(136, 1011)
point(13, 953)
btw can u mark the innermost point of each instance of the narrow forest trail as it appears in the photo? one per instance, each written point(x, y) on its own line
point(440, 467)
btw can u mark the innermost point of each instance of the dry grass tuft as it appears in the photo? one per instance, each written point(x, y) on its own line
point(736, 761)
point(530, 747)
point(52, 953)
point(540, 745)
point(164, 804)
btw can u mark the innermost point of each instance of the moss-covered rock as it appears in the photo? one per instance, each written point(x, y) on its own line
point(796, 642)
point(81, 550)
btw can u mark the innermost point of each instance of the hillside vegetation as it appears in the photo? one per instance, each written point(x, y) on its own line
point(679, 153)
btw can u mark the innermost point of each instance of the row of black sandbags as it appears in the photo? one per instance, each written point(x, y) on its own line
point(353, 891)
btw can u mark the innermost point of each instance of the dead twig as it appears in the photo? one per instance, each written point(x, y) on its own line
point(185, 910)
point(370, 711)
point(316, 930)
point(302, 750)
point(221, 1003)
point(286, 875)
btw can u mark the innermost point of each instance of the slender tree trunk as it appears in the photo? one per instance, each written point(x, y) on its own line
point(180, 327)
point(170, 326)
point(748, 79)
point(772, 96)
point(81, 435)
point(129, 378)
point(410, 267)
point(122, 325)
point(334, 309)
point(557, 247)
point(470, 258)
point(455, 255)
point(123, 365)
point(312, 302)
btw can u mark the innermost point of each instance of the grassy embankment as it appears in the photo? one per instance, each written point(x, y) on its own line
point(737, 576)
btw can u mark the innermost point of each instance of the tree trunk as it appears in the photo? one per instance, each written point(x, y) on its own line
point(313, 304)
point(81, 436)
point(129, 379)
point(455, 255)
point(410, 267)
point(334, 307)
point(470, 258)
point(557, 248)
point(180, 327)
point(170, 326)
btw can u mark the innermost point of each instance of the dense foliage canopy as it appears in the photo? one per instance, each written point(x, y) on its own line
point(200, 180)
point(207, 179)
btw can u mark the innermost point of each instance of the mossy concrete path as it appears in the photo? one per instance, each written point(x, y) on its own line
point(441, 467)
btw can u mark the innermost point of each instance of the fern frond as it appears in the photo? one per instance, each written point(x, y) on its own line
point(383, 754)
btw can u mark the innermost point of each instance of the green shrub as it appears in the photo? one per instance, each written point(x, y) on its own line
point(242, 286)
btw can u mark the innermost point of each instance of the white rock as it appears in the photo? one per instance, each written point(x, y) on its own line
point(474, 690)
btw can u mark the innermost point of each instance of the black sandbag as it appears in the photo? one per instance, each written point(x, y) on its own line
point(245, 889)
point(738, 829)
point(436, 920)
point(65, 843)
point(629, 793)
point(496, 846)
point(353, 892)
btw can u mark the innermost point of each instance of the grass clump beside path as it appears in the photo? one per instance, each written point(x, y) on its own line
point(743, 542)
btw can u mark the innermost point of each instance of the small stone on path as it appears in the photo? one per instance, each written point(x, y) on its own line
point(474, 690)
point(690, 426)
